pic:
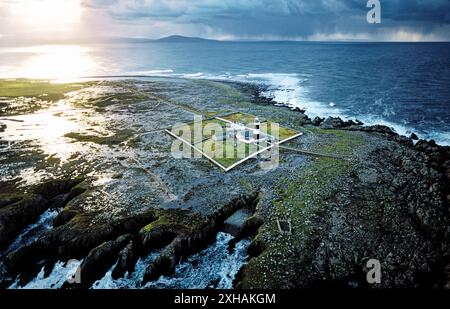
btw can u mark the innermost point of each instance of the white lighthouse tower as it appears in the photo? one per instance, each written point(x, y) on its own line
point(256, 131)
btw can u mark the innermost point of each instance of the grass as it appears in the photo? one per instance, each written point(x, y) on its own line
point(241, 118)
point(266, 126)
point(175, 219)
point(226, 152)
point(210, 114)
point(300, 200)
point(240, 152)
point(42, 89)
point(282, 132)
point(194, 132)
point(338, 142)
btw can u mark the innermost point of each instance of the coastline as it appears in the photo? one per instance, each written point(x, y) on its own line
point(290, 93)
point(332, 203)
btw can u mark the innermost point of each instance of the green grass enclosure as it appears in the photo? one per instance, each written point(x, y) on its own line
point(229, 152)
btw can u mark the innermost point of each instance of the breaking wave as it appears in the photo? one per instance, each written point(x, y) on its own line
point(58, 276)
point(214, 267)
point(289, 89)
point(33, 231)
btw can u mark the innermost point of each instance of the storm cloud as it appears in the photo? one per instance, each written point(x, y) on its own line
point(283, 19)
point(402, 20)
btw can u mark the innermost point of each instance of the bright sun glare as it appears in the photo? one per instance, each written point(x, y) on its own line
point(50, 19)
point(61, 62)
point(38, 15)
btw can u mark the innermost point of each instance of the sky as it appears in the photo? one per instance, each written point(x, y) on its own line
point(319, 20)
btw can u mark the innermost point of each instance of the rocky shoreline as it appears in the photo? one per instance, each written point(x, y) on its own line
point(314, 222)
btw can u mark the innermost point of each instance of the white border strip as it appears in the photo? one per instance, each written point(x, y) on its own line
point(285, 140)
point(227, 169)
point(289, 138)
point(224, 120)
point(261, 151)
point(247, 158)
point(197, 149)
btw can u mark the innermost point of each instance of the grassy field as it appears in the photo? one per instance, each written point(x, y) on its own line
point(42, 89)
point(243, 118)
point(197, 132)
point(228, 152)
point(268, 127)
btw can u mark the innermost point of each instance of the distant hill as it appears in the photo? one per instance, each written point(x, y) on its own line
point(182, 39)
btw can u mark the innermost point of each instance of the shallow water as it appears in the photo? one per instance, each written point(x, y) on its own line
point(46, 127)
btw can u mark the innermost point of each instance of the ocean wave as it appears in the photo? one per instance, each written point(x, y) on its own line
point(152, 72)
point(58, 276)
point(442, 138)
point(289, 89)
point(214, 267)
point(130, 280)
point(32, 232)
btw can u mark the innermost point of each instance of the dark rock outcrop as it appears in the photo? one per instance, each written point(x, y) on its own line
point(382, 197)
point(185, 233)
point(17, 216)
point(317, 121)
point(379, 129)
point(19, 212)
point(338, 123)
point(332, 123)
point(298, 109)
point(6, 200)
point(100, 259)
point(414, 137)
point(127, 260)
point(75, 239)
point(250, 228)
point(393, 207)
point(178, 232)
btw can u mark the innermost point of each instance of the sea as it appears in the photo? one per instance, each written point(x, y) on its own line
point(402, 85)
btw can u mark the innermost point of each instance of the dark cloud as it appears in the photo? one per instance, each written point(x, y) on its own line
point(287, 18)
point(437, 11)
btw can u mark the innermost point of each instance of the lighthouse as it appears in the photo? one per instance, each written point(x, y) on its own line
point(256, 131)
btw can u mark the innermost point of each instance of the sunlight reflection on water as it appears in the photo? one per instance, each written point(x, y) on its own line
point(62, 63)
point(47, 127)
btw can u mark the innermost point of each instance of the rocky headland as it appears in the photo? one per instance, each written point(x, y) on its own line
point(106, 173)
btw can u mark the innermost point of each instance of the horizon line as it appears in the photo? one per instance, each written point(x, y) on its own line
point(237, 40)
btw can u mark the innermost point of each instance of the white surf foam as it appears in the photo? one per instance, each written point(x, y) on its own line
point(213, 267)
point(58, 276)
point(153, 72)
point(442, 138)
point(130, 280)
point(289, 89)
point(33, 231)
